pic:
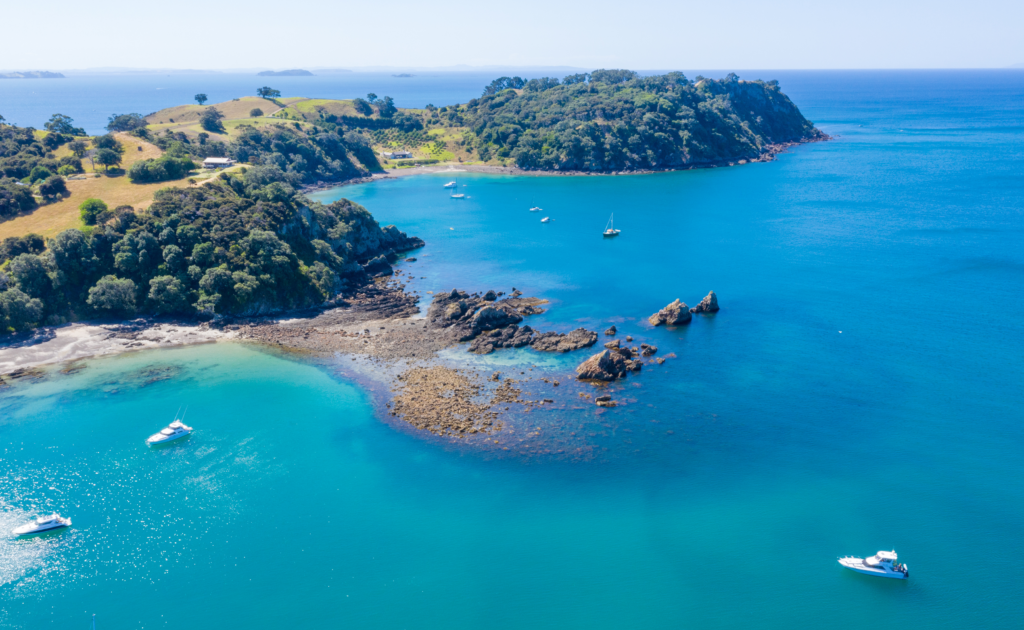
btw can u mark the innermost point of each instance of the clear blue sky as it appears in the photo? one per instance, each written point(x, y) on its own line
point(790, 34)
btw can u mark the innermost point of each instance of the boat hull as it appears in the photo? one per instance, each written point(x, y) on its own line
point(169, 440)
point(857, 566)
point(20, 533)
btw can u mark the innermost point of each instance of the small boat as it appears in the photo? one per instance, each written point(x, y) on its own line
point(545, 220)
point(451, 185)
point(43, 524)
point(609, 229)
point(174, 431)
point(457, 194)
point(535, 209)
point(882, 564)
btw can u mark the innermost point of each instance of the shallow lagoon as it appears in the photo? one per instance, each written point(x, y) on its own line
point(791, 443)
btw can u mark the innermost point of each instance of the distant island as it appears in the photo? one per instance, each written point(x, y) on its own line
point(404, 75)
point(286, 73)
point(35, 74)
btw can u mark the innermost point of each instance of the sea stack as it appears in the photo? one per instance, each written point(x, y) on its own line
point(674, 314)
point(708, 305)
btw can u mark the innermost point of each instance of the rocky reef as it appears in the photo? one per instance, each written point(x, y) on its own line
point(491, 323)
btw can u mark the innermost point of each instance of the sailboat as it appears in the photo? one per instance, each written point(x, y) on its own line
point(457, 194)
point(609, 229)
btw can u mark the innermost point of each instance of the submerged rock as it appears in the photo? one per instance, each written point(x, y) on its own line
point(708, 305)
point(674, 314)
point(603, 366)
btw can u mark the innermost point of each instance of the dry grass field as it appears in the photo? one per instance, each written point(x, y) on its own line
point(116, 190)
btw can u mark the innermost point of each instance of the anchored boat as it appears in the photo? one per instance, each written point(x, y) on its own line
point(609, 229)
point(882, 564)
point(174, 431)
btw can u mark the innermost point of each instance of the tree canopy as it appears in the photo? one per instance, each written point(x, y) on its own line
point(125, 122)
point(617, 120)
point(268, 92)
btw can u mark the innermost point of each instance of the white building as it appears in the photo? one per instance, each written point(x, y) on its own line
point(396, 155)
point(217, 162)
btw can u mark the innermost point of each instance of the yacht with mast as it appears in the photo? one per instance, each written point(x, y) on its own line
point(457, 194)
point(609, 229)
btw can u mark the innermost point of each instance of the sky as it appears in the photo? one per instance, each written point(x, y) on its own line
point(642, 34)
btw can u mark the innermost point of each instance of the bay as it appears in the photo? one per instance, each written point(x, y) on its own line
point(719, 496)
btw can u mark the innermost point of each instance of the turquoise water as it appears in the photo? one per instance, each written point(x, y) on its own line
point(720, 498)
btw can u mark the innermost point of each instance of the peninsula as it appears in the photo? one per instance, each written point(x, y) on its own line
point(36, 74)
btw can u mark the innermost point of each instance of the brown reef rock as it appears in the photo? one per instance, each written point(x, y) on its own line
point(603, 366)
point(708, 305)
point(674, 314)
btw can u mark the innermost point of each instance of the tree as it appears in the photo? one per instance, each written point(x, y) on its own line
point(125, 122)
point(167, 295)
point(113, 295)
point(362, 107)
point(2, 119)
point(108, 141)
point(54, 186)
point(371, 97)
point(255, 112)
point(201, 98)
point(108, 158)
point(79, 148)
point(18, 311)
point(39, 172)
point(59, 123)
point(210, 120)
point(386, 107)
point(90, 208)
point(268, 93)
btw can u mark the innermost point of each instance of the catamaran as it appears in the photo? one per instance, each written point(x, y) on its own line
point(882, 564)
point(609, 229)
point(174, 431)
point(43, 524)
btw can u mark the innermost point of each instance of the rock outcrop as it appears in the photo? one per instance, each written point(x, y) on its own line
point(491, 323)
point(674, 314)
point(708, 305)
point(603, 366)
point(557, 342)
point(611, 331)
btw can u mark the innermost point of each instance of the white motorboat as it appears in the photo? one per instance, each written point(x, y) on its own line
point(535, 209)
point(609, 229)
point(43, 524)
point(450, 185)
point(882, 564)
point(174, 431)
point(545, 220)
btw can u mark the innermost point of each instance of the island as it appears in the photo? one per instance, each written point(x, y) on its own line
point(35, 74)
point(403, 75)
point(285, 73)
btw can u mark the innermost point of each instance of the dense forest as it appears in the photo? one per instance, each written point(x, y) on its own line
point(616, 120)
point(243, 245)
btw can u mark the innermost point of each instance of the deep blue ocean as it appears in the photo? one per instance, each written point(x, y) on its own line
point(861, 389)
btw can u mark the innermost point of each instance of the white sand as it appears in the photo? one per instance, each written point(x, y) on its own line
point(78, 341)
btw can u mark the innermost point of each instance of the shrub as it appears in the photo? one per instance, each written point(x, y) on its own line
point(38, 173)
point(159, 170)
point(53, 186)
point(90, 209)
point(113, 296)
point(255, 112)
